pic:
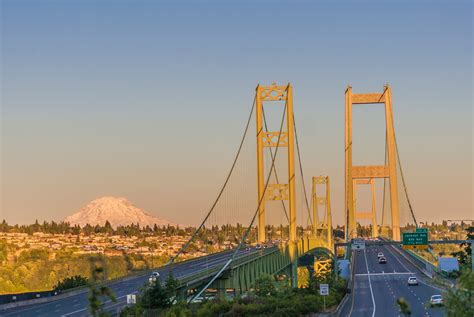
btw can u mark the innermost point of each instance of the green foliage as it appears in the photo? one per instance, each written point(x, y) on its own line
point(38, 271)
point(178, 310)
point(264, 286)
point(171, 285)
point(132, 311)
point(270, 299)
point(3, 251)
point(214, 308)
point(465, 254)
point(33, 255)
point(303, 277)
point(128, 261)
point(404, 306)
point(154, 296)
point(459, 302)
point(98, 290)
point(71, 282)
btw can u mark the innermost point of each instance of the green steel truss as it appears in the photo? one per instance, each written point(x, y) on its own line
point(245, 269)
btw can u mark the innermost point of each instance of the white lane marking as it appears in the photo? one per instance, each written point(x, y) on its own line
point(370, 284)
point(394, 273)
point(104, 303)
point(396, 258)
point(398, 251)
point(16, 312)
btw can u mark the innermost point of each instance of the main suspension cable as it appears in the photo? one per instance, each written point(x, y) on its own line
point(185, 246)
point(301, 170)
point(403, 181)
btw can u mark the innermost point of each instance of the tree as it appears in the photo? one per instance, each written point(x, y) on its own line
point(71, 282)
point(98, 289)
point(154, 297)
point(459, 301)
point(171, 285)
point(264, 286)
point(108, 227)
point(465, 254)
point(128, 261)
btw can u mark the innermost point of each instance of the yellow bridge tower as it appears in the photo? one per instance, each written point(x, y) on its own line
point(325, 200)
point(374, 171)
point(277, 139)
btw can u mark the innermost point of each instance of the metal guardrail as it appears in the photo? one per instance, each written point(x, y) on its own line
point(11, 298)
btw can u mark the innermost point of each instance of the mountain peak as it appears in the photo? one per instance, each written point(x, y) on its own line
point(117, 210)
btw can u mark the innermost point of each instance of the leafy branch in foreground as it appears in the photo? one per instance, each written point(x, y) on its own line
point(459, 301)
point(98, 290)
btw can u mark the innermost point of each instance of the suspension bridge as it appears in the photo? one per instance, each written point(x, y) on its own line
point(279, 189)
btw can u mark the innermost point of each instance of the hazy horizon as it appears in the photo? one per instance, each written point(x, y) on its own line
point(148, 100)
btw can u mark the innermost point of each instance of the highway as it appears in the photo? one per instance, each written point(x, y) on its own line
point(378, 286)
point(76, 305)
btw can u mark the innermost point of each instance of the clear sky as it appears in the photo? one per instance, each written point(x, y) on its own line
point(148, 99)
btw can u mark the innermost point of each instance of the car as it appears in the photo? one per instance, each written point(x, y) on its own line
point(154, 277)
point(436, 300)
point(412, 281)
point(380, 254)
point(248, 249)
point(382, 260)
point(258, 247)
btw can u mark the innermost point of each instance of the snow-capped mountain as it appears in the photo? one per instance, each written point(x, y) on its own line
point(117, 210)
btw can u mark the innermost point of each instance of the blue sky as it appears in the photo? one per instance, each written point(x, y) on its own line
point(110, 97)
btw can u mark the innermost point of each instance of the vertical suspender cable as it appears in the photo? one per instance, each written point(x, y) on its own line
point(404, 184)
point(222, 189)
point(384, 183)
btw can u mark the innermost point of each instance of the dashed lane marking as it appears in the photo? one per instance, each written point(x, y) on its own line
point(383, 274)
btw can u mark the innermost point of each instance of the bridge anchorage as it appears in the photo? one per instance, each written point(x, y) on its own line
point(355, 173)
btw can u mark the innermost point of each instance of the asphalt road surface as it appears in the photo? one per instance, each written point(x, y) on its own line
point(378, 286)
point(76, 305)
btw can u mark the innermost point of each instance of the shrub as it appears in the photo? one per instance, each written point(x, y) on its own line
point(154, 296)
point(214, 308)
point(71, 282)
point(264, 286)
point(459, 301)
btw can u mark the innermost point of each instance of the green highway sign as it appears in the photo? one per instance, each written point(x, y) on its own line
point(415, 238)
point(425, 230)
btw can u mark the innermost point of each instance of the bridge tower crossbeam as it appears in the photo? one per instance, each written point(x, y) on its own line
point(367, 214)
